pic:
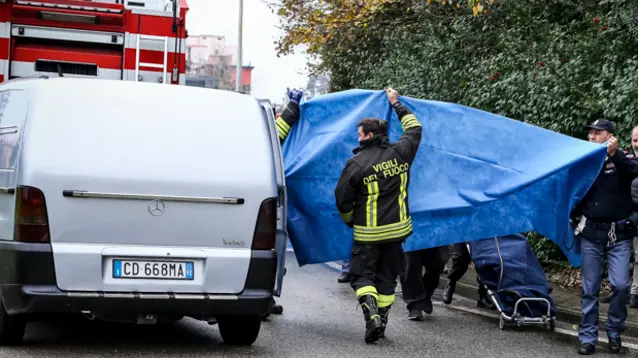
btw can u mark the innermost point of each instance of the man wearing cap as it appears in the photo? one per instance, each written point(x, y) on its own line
point(602, 226)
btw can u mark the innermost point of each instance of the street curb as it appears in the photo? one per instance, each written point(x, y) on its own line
point(562, 314)
point(563, 333)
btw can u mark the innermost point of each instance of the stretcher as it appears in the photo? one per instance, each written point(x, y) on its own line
point(515, 281)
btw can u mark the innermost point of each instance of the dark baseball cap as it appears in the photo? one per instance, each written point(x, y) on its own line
point(602, 125)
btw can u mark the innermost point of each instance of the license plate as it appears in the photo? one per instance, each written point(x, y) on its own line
point(162, 270)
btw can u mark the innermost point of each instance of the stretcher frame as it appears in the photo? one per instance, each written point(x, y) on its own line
point(516, 319)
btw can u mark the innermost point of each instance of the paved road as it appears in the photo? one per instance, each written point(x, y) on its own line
point(320, 319)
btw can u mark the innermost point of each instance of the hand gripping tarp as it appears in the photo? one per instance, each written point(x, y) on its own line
point(476, 175)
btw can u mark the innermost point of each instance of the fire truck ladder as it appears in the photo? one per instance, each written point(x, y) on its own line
point(139, 64)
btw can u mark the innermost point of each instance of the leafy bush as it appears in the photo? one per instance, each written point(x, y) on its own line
point(547, 252)
point(558, 64)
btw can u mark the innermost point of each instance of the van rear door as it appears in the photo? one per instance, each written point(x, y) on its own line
point(282, 213)
point(145, 197)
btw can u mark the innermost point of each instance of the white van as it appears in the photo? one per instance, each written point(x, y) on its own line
point(139, 202)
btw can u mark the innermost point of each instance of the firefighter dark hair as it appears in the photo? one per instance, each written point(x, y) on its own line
point(374, 126)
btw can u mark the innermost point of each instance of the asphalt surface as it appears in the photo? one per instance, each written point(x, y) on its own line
point(321, 319)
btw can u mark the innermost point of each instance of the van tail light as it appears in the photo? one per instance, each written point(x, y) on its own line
point(266, 230)
point(31, 222)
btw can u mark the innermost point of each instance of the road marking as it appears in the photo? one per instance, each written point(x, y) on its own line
point(333, 265)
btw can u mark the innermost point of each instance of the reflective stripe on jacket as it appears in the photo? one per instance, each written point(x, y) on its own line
point(286, 120)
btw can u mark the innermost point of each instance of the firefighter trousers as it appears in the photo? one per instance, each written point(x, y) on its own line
point(374, 270)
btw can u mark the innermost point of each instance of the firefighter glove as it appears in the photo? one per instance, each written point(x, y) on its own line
point(294, 95)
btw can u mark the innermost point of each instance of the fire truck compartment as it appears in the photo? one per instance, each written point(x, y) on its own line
point(33, 59)
point(61, 34)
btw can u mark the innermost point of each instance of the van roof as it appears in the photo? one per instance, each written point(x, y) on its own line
point(137, 89)
point(211, 141)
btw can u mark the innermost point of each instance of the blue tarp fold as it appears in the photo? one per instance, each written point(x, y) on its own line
point(476, 175)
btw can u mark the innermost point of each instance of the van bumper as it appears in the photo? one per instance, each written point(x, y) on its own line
point(27, 286)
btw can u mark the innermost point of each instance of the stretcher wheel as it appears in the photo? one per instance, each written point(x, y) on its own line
point(552, 325)
point(501, 323)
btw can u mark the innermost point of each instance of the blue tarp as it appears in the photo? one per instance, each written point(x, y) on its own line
point(476, 175)
point(508, 266)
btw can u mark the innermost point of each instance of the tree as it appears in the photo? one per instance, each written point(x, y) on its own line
point(558, 64)
point(221, 73)
point(314, 22)
point(554, 63)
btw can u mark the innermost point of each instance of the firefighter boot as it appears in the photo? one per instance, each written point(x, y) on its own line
point(372, 318)
point(384, 312)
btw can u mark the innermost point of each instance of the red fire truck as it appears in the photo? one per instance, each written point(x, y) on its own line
point(129, 40)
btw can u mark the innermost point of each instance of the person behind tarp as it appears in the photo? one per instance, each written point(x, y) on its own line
point(633, 293)
point(461, 260)
point(417, 288)
point(345, 272)
point(372, 198)
point(601, 224)
point(284, 123)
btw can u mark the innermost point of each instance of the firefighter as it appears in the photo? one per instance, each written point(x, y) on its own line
point(372, 198)
point(284, 124)
point(290, 114)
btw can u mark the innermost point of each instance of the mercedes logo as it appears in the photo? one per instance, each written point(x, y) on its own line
point(156, 208)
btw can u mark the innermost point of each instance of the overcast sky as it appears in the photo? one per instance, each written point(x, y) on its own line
point(271, 75)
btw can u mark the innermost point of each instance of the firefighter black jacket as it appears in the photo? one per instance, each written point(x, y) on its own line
point(286, 120)
point(372, 192)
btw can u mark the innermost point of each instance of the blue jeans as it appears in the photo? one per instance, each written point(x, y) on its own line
point(592, 253)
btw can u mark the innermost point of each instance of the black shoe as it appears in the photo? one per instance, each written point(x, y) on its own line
point(345, 277)
point(605, 298)
point(633, 301)
point(427, 306)
point(415, 314)
point(615, 345)
point(448, 292)
point(372, 318)
point(384, 312)
point(277, 309)
point(586, 349)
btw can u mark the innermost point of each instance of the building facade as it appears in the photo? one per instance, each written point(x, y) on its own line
point(211, 63)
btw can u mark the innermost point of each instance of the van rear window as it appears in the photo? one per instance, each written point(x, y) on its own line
point(13, 113)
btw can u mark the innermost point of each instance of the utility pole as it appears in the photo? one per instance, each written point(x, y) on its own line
point(239, 46)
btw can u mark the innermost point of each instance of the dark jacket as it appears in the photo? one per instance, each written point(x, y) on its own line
point(372, 192)
point(634, 185)
point(609, 198)
point(285, 121)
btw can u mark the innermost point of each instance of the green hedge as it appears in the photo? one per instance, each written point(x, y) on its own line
point(558, 64)
point(548, 253)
